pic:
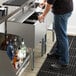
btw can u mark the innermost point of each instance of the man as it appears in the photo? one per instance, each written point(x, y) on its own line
point(62, 10)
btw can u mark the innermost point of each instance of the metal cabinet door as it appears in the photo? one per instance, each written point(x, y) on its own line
point(6, 68)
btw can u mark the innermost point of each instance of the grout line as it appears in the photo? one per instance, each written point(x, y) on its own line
point(73, 48)
point(71, 43)
point(49, 72)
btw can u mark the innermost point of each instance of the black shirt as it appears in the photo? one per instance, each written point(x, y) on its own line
point(61, 6)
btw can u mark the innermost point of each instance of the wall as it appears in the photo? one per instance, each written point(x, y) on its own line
point(2, 28)
point(72, 21)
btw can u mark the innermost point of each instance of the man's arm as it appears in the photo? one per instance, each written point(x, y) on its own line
point(47, 9)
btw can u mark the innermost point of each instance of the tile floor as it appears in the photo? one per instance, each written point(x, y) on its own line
point(38, 59)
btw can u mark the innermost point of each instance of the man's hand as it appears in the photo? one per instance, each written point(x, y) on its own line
point(41, 18)
point(46, 10)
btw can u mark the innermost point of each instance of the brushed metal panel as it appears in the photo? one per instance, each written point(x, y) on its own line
point(16, 2)
point(6, 68)
point(25, 31)
point(40, 31)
